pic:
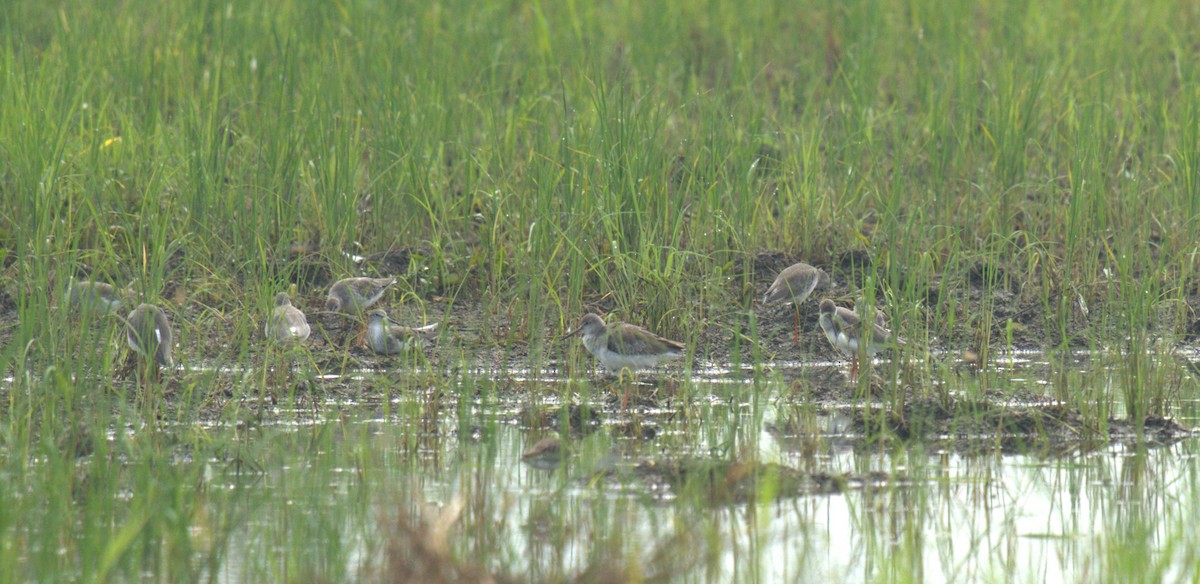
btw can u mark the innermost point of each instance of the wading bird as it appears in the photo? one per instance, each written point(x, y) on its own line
point(624, 346)
point(795, 284)
point(844, 329)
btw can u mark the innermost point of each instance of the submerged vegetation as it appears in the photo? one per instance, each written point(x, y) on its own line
point(995, 175)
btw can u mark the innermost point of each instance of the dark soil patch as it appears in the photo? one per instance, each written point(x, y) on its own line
point(310, 271)
point(391, 262)
point(983, 425)
point(1192, 334)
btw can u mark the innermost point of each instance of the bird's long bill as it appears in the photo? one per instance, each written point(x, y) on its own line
point(572, 333)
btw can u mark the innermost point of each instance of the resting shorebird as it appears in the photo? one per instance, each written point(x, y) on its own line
point(844, 328)
point(796, 283)
point(387, 339)
point(624, 346)
point(354, 295)
point(96, 297)
point(148, 333)
point(287, 323)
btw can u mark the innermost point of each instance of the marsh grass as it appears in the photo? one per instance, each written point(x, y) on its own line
point(604, 173)
point(995, 174)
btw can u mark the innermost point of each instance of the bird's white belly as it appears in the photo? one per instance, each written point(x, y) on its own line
point(835, 337)
point(378, 338)
point(849, 346)
point(615, 362)
point(846, 343)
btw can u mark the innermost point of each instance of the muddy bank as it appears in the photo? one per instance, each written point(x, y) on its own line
point(479, 337)
point(478, 329)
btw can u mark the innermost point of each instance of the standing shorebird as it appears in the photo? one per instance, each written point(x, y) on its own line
point(388, 339)
point(96, 297)
point(796, 283)
point(624, 346)
point(148, 333)
point(844, 329)
point(354, 295)
point(287, 323)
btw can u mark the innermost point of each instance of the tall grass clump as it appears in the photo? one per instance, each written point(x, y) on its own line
point(557, 155)
point(994, 174)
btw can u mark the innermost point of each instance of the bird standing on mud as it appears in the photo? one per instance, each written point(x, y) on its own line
point(624, 346)
point(844, 329)
point(287, 323)
point(148, 333)
point(796, 283)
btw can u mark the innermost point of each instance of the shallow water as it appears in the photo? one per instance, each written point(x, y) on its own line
point(729, 474)
point(908, 511)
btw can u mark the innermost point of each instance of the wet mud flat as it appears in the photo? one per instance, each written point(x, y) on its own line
point(637, 440)
point(334, 370)
point(784, 433)
point(967, 427)
point(1008, 418)
point(478, 328)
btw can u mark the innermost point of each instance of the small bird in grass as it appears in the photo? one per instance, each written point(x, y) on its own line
point(148, 333)
point(353, 295)
point(287, 323)
point(796, 283)
point(547, 454)
point(844, 329)
point(624, 346)
point(96, 297)
point(387, 339)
